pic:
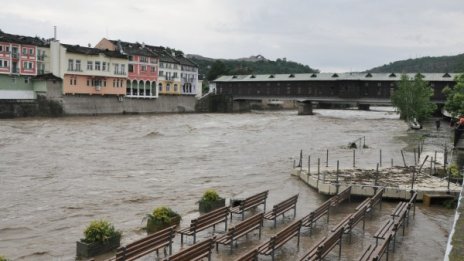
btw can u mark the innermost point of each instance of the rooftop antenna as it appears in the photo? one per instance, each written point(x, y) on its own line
point(54, 32)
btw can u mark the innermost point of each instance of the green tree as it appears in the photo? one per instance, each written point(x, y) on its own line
point(217, 69)
point(412, 98)
point(455, 97)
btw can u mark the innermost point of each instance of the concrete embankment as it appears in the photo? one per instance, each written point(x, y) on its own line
point(397, 183)
point(95, 105)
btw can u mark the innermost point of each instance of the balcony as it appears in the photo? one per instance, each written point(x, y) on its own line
point(15, 55)
point(119, 73)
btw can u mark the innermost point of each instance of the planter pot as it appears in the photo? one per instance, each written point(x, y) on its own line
point(153, 227)
point(93, 249)
point(207, 206)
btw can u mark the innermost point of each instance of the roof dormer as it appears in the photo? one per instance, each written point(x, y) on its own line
point(334, 75)
point(291, 76)
point(271, 76)
point(314, 75)
point(392, 75)
point(446, 75)
point(368, 75)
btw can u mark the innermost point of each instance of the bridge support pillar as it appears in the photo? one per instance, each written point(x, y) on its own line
point(305, 108)
point(363, 107)
point(241, 106)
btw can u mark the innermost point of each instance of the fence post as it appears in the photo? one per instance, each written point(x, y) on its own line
point(392, 162)
point(354, 158)
point(327, 159)
point(415, 161)
point(337, 184)
point(413, 177)
point(404, 161)
point(380, 158)
point(431, 165)
point(309, 164)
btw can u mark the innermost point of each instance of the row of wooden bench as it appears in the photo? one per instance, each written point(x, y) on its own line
point(163, 239)
point(387, 232)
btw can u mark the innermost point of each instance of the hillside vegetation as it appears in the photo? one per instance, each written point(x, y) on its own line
point(212, 68)
point(451, 64)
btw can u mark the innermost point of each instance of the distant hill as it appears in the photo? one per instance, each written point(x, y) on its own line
point(252, 65)
point(426, 64)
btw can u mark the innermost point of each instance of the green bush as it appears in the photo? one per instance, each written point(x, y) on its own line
point(210, 195)
point(100, 231)
point(162, 215)
point(454, 170)
point(2, 258)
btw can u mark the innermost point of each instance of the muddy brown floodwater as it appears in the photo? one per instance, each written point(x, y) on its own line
point(56, 175)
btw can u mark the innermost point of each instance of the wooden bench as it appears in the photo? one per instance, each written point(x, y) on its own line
point(376, 199)
point(385, 231)
point(250, 203)
point(365, 204)
point(278, 240)
point(281, 208)
point(340, 197)
point(142, 247)
point(241, 229)
point(203, 222)
point(195, 252)
point(352, 220)
point(375, 252)
point(399, 209)
point(312, 217)
point(324, 246)
point(249, 256)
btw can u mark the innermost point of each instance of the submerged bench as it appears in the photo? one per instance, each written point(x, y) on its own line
point(249, 256)
point(340, 197)
point(241, 229)
point(249, 203)
point(279, 239)
point(324, 246)
point(195, 252)
point(281, 208)
point(349, 222)
point(387, 230)
point(376, 252)
point(310, 219)
point(142, 247)
point(203, 222)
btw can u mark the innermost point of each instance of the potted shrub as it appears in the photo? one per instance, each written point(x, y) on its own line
point(161, 218)
point(100, 237)
point(210, 201)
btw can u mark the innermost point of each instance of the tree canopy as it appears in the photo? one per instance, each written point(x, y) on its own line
point(455, 97)
point(412, 98)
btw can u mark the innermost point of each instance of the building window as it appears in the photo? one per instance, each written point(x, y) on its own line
point(1, 48)
point(116, 68)
point(70, 81)
point(123, 69)
point(144, 68)
point(75, 81)
point(131, 68)
point(70, 65)
point(97, 66)
point(31, 52)
point(153, 69)
point(24, 51)
point(88, 82)
point(161, 73)
point(104, 83)
point(90, 65)
point(168, 87)
point(104, 66)
point(175, 87)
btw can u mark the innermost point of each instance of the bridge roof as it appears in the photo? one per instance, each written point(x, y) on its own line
point(431, 77)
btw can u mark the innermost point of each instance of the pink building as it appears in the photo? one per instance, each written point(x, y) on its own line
point(142, 69)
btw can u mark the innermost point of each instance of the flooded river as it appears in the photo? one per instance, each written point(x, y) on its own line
point(56, 175)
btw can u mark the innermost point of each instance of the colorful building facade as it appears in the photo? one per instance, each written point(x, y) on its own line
point(89, 71)
point(143, 67)
point(188, 75)
point(18, 65)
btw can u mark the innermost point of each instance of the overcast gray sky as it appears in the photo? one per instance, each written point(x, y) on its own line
point(330, 35)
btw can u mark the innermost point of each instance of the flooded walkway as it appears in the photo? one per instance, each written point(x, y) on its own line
point(56, 175)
